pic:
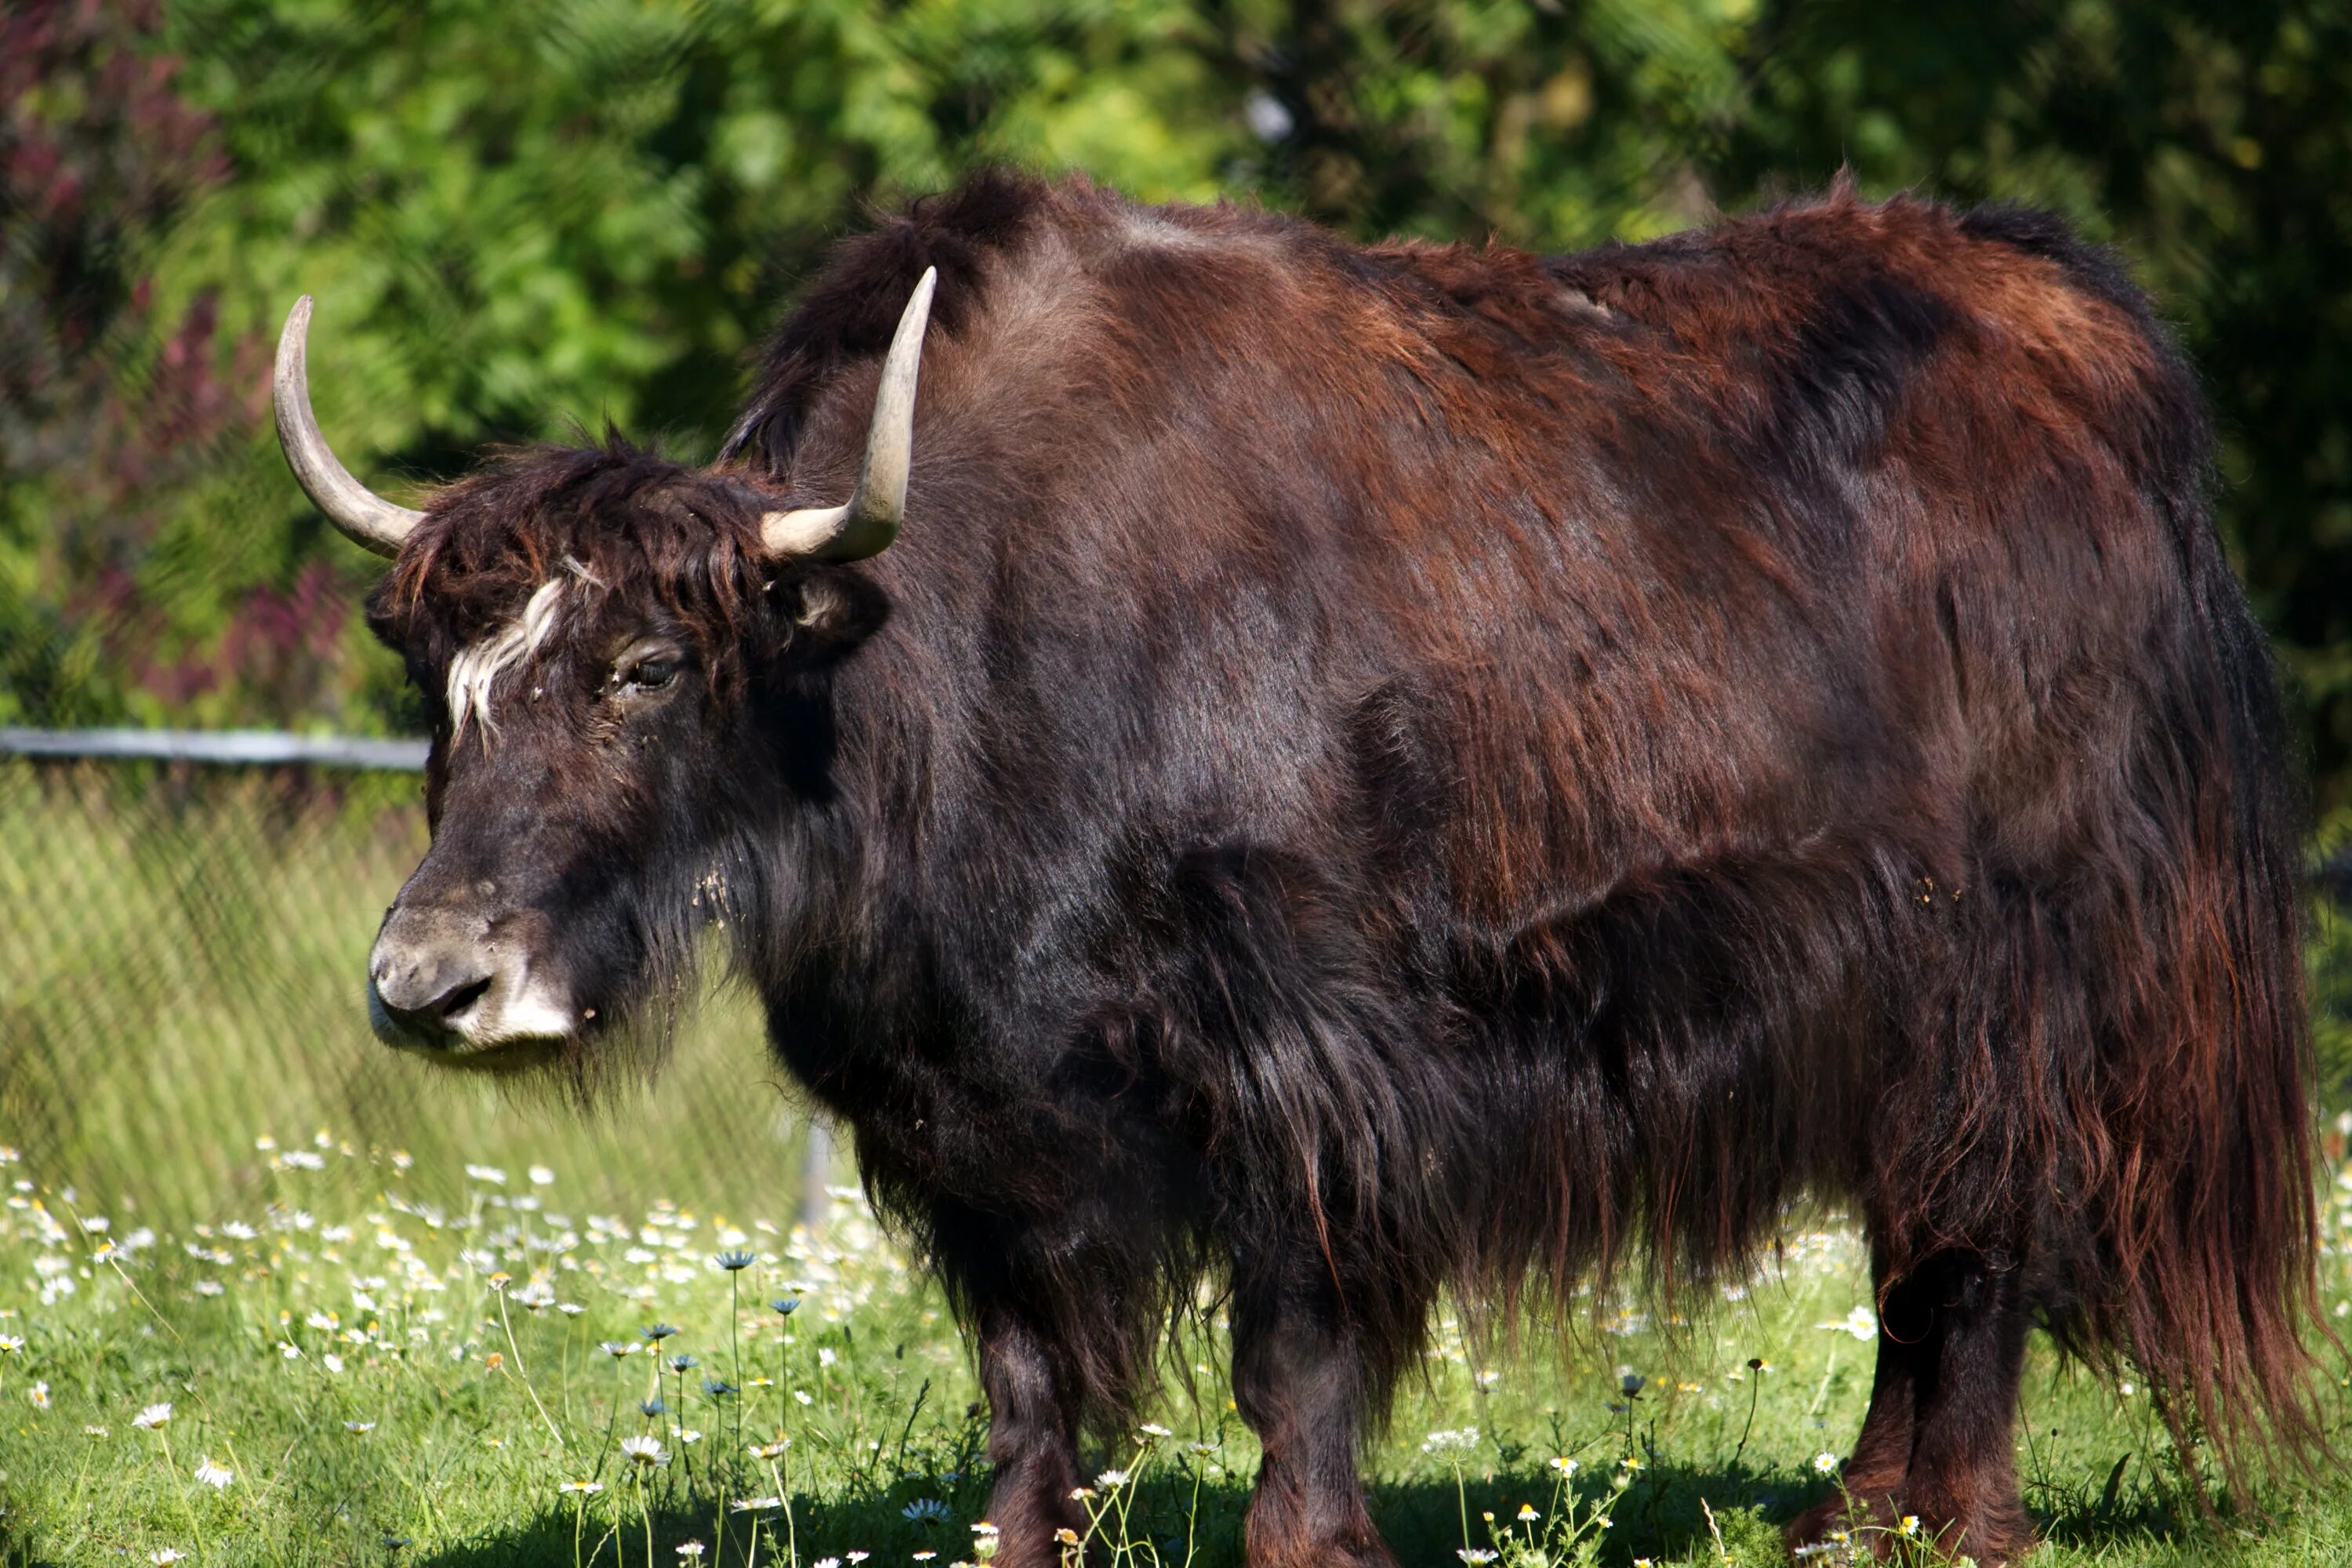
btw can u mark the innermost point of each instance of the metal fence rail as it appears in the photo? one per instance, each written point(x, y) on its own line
point(224, 747)
point(184, 920)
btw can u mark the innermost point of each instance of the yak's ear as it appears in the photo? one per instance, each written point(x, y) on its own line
point(828, 613)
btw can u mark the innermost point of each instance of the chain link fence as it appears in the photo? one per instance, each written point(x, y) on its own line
point(184, 923)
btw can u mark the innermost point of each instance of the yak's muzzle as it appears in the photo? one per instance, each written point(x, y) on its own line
point(452, 981)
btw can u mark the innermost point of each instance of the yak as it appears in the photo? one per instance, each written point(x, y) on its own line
point(1337, 775)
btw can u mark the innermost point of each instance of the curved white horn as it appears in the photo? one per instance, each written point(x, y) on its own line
point(866, 524)
point(366, 519)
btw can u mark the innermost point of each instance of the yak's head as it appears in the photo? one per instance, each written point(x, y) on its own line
point(619, 656)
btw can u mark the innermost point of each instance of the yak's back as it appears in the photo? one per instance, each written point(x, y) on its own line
point(1837, 520)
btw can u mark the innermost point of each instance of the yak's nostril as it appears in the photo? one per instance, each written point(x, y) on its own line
point(462, 997)
point(427, 995)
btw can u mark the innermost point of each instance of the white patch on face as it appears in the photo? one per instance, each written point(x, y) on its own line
point(519, 1006)
point(473, 671)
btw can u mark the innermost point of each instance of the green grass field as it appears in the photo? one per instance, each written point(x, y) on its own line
point(368, 1359)
point(382, 1308)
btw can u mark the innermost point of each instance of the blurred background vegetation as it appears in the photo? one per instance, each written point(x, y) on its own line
point(520, 214)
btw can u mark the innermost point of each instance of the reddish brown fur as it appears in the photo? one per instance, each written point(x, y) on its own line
point(1374, 769)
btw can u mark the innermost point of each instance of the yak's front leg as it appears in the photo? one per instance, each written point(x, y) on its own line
point(1299, 1380)
point(1034, 1406)
point(1031, 1347)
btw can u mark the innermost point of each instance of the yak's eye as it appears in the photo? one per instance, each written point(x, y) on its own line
point(641, 671)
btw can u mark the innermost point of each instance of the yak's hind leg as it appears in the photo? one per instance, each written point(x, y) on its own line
point(1882, 1455)
point(1939, 1441)
point(1962, 1483)
point(1302, 1382)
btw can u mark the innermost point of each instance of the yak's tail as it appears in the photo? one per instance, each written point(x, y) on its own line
point(2205, 1215)
point(2154, 993)
point(2203, 1199)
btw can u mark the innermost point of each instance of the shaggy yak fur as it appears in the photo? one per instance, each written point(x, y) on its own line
point(1375, 771)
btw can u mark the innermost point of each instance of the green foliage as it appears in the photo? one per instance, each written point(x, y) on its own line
point(521, 217)
point(519, 220)
point(106, 404)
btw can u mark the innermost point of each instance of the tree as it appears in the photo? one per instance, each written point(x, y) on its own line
point(108, 401)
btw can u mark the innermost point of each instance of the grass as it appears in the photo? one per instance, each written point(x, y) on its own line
point(375, 1300)
point(382, 1361)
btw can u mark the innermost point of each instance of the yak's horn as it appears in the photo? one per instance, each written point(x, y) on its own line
point(868, 521)
point(366, 519)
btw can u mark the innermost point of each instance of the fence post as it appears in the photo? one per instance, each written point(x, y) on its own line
point(817, 1176)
